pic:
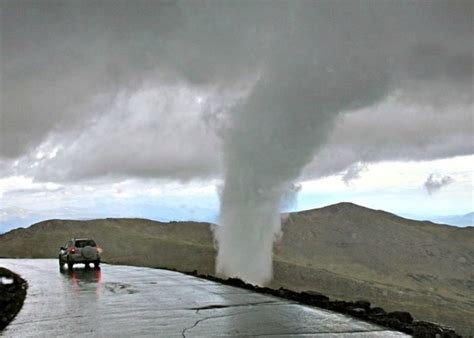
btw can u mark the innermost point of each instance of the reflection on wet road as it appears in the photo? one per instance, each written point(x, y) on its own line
point(124, 301)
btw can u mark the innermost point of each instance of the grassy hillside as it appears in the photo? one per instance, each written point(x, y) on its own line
point(179, 245)
point(345, 251)
point(349, 252)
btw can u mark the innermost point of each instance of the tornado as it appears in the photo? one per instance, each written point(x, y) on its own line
point(276, 130)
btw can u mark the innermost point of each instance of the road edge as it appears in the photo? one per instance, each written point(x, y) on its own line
point(13, 291)
point(398, 320)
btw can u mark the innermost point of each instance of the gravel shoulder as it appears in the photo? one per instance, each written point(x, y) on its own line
point(398, 320)
point(12, 294)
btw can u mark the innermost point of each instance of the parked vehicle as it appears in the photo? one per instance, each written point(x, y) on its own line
point(79, 250)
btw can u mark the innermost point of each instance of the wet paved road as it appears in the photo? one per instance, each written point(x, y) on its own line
point(124, 301)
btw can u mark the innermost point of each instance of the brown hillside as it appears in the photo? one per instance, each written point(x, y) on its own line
point(347, 251)
point(344, 250)
point(178, 245)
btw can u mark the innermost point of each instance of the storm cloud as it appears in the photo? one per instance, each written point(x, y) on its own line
point(68, 67)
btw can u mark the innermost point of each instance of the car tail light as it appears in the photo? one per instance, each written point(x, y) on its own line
point(73, 250)
point(99, 250)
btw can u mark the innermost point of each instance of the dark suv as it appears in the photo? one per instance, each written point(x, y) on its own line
point(80, 250)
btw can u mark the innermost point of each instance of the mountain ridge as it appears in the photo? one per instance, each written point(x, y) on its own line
point(345, 251)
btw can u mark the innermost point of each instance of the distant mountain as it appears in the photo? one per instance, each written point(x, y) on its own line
point(344, 250)
point(457, 220)
point(204, 211)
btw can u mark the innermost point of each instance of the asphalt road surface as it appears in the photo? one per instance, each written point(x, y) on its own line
point(124, 301)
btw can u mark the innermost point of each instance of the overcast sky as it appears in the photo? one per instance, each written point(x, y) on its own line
point(114, 109)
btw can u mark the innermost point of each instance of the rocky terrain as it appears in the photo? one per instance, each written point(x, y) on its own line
point(12, 294)
point(343, 251)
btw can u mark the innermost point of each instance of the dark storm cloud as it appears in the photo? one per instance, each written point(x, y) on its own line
point(62, 62)
point(396, 129)
point(65, 63)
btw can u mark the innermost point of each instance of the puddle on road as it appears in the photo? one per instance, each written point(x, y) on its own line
point(119, 288)
point(84, 280)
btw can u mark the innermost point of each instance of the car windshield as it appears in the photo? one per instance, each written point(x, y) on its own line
point(84, 243)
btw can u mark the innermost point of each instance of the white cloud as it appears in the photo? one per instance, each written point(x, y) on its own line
point(397, 176)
